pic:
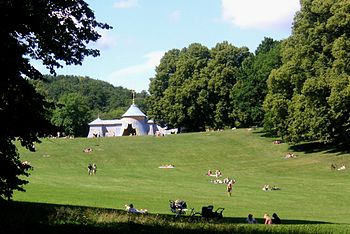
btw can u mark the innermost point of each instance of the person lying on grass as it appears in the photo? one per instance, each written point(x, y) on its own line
point(131, 209)
point(290, 155)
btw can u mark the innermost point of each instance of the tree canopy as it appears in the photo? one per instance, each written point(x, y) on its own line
point(72, 114)
point(99, 99)
point(191, 88)
point(308, 96)
point(248, 93)
point(55, 32)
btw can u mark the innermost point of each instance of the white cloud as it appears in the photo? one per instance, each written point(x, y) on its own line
point(260, 14)
point(137, 76)
point(106, 40)
point(126, 3)
point(175, 16)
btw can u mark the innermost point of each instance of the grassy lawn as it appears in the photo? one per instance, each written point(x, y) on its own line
point(127, 172)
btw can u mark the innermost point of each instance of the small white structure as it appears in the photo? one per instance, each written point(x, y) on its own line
point(133, 122)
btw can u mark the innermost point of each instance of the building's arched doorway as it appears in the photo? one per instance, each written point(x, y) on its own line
point(129, 130)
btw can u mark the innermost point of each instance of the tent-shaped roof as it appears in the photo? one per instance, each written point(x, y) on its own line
point(133, 111)
point(99, 121)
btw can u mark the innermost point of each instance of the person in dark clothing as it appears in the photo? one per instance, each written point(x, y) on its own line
point(275, 219)
point(90, 169)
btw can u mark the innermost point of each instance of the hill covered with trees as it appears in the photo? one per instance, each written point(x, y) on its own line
point(79, 100)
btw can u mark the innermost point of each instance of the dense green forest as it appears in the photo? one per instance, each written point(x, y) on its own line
point(78, 100)
point(225, 86)
point(297, 88)
point(309, 95)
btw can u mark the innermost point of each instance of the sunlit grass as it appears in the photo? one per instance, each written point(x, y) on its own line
point(127, 172)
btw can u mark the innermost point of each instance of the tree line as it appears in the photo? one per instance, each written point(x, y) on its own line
point(78, 100)
point(196, 88)
point(298, 88)
point(309, 94)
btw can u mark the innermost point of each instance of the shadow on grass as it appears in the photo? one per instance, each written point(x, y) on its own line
point(262, 133)
point(317, 147)
point(310, 147)
point(26, 217)
point(240, 220)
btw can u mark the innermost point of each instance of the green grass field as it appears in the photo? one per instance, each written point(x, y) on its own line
point(127, 172)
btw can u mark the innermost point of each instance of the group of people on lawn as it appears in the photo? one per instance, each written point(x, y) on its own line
point(229, 182)
point(267, 219)
point(250, 219)
point(217, 173)
point(229, 186)
point(92, 168)
point(334, 167)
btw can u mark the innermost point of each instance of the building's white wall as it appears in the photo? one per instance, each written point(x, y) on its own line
point(105, 128)
point(111, 130)
point(140, 125)
point(95, 130)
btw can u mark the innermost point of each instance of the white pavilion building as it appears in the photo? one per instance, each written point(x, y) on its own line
point(133, 122)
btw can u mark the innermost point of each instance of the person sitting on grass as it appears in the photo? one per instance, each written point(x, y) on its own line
point(290, 155)
point(250, 219)
point(268, 219)
point(333, 166)
point(266, 187)
point(26, 165)
point(87, 150)
point(226, 180)
point(131, 209)
point(275, 188)
point(275, 219)
point(217, 181)
point(341, 168)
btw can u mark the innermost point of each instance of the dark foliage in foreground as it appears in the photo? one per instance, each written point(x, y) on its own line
point(49, 31)
point(18, 217)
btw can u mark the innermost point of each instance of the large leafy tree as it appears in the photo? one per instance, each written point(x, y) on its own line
point(160, 83)
point(56, 32)
point(308, 96)
point(175, 89)
point(250, 89)
point(221, 75)
point(180, 98)
point(192, 87)
point(72, 114)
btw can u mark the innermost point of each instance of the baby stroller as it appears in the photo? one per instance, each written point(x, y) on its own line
point(209, 214)
point(178, 207)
